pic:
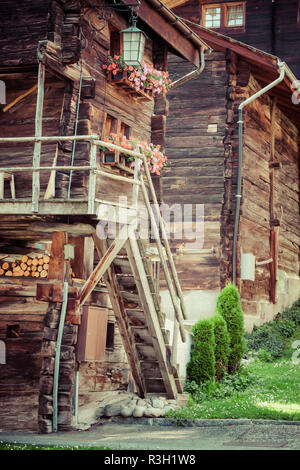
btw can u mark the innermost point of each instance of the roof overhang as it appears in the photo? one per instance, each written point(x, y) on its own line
point(264, 67)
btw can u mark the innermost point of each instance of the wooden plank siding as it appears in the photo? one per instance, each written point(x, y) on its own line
point(203, 169)
point(195, 174)
point(256, 208)
point(20, 376)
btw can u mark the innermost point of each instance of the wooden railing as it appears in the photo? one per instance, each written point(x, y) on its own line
point(139, 180)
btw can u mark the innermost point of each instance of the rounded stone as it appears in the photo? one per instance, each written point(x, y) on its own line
point(126, 411)
point(138, 411)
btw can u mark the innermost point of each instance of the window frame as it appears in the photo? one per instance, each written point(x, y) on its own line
point(226, 14)
point(224, 28)
point(210, 6)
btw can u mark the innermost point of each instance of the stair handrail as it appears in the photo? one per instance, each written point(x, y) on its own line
point(165, 238)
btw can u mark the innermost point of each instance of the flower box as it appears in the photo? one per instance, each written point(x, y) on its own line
point(120, 79)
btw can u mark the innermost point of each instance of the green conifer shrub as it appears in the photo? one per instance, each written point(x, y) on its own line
point(229, 307)
point(222, 348)
point(201, 367)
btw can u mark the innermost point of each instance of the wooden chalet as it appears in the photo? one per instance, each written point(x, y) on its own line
point(269, 25)
point(79, 315)
point(202, 142)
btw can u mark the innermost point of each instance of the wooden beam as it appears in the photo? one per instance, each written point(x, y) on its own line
point(38, 133)
point(168, 32)
point(19, 98)
point(57, 261)
point(83, 262)
point(49, 54)
point(103, 264)
point(76, 229)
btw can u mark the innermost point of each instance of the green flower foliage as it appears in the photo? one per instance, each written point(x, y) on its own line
point(222, 345)
point(202, 365)
point(229, 307)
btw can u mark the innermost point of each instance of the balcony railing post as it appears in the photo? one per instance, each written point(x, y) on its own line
point(92, 178)
point(38, 133)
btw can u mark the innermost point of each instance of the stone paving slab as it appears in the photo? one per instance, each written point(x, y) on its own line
point(199, 435)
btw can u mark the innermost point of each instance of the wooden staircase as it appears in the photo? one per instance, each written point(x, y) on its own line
point(141, 322)
point(127, 272)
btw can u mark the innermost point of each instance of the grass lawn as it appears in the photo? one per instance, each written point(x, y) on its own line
point(8, 446)
point(274, 393)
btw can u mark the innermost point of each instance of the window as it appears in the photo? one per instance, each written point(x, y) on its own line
point(110, 336)
point(234, 15)
point(212, 17)
point(115, 43)
point(114, 125)
point(13, 331)
point(224, 16)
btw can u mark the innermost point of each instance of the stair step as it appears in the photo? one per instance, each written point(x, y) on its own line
point(146, 352)
point(130, 296)
point(121, 261)
point(155, 385)
point(153, 373)
point(141, 335)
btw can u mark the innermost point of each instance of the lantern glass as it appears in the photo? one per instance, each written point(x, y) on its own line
point(133, 41)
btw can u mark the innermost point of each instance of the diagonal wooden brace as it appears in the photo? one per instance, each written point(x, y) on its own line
point(103, 264)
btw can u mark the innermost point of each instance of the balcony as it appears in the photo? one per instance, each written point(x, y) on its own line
point(98, 185)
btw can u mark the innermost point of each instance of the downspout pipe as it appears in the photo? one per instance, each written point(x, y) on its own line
point(57, 352)
point(282, 69)
point(194, 73)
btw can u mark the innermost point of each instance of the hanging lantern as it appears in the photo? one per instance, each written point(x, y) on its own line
point(133, 41)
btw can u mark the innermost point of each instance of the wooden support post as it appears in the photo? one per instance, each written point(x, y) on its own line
point(135, 189)
point(92, 179)
point(83, 262)
point(57, 262)
point(38, 133)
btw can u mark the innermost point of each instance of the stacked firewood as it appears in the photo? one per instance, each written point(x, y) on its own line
point(33, 267)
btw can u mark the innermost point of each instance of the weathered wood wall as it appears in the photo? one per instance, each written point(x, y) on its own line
point(194, 145)
point(19, 121)
point(258, 210)
point(271, 27)
point(61, 24)
point(20, 376)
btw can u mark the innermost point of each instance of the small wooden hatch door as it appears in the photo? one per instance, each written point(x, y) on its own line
point(92, 334)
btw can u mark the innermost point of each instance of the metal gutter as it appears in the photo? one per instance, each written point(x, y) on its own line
point(283, 69)
point(192, 74)
point(179, 24)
